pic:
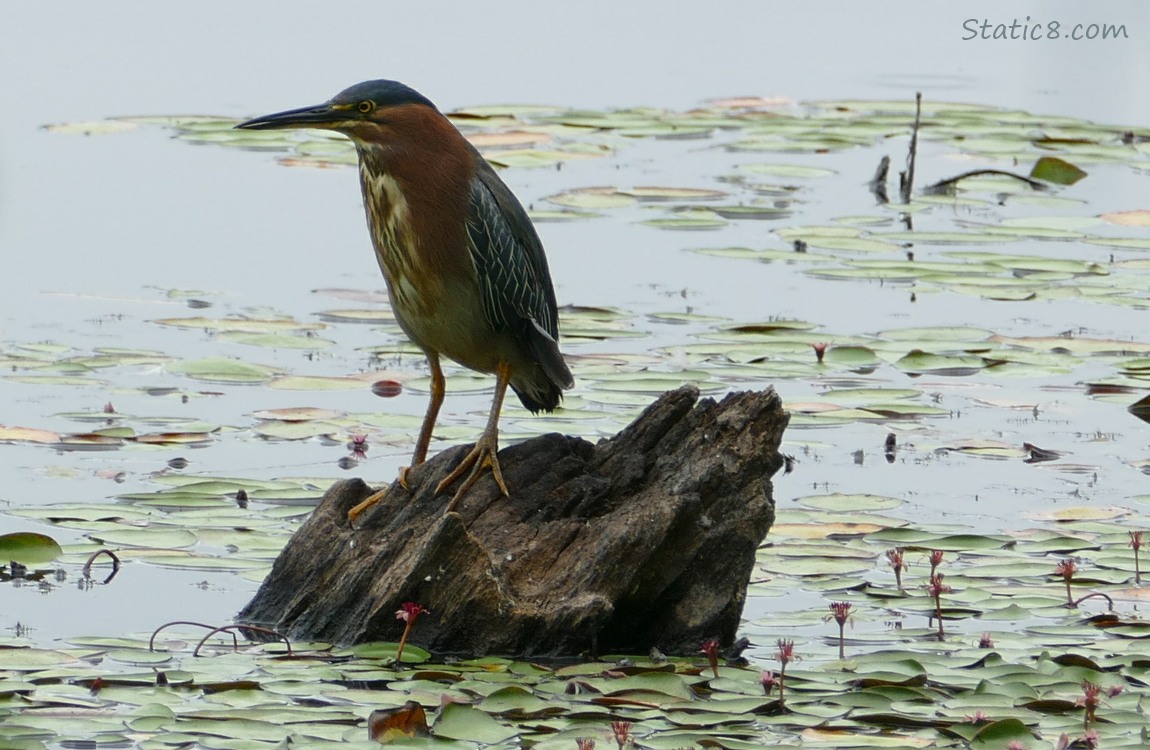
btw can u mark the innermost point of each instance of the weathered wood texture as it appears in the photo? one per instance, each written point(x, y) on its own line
point(645, 539)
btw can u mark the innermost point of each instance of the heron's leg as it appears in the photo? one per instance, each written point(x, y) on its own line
point(484, 454)
point(438, 389)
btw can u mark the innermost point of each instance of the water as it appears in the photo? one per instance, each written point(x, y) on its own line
point(104, 216)
point(92, 229)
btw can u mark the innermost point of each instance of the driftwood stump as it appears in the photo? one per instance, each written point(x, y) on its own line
point(646, 539)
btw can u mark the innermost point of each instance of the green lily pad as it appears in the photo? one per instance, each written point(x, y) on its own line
point(838, 501)
point(793, 171)
point(687, 223)
point(29, 548)
point(673, 193)
point(69, 512)
point(535, 158)
point(316, 383)
point(999, 734)
point(593, 198)
point(241, 325)
point(854, 244)
point(71, 381)
point(1058, 171)
point(34, 659)
point(752, 212)
point(220, 370)
point(371, 316)
point(918, 361)
point(460, 722)
point(295, 430)
point(816, 566)
point(146, 537)
point(276, 340)
point(517, 700)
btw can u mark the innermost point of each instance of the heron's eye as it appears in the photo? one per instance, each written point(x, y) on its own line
point(366, 106)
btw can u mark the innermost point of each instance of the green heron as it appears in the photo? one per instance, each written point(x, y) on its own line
point(464, 267)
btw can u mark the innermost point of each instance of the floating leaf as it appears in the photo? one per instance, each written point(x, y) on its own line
point(298, 414)
point(536, 157)
point(853, 244)
point(1079, 513)
point(560, 216)
point(593, 198)
point(357, 316)
point(999, 734)
point(241, 325)
point(1058, 171)
point(856, 357)
point(295, 430)
point(1136, 218)
point(687, 223)
point(672, 193)
point(788, 170)
point(845, 502)
point(460, 722)
point(276, 340)
point(816, 566)
point(173, 438)
point(29, 548)
point(67, 512)
point(146, 537)
point(919, 361)
point(507, 139)
point(751, 212)
point(27, 435)
point(315, 383)
point(388, 725)
point(33, 659)
point(824, 530)
point(221, 370)
point(70, 381)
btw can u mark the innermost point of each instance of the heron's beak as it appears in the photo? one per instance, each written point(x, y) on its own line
point(323, 116)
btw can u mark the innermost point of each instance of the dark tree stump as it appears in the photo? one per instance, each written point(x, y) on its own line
point(644, 539)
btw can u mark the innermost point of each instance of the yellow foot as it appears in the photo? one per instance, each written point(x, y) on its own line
point(482, 456)
point(358, 510)
point(375, 497)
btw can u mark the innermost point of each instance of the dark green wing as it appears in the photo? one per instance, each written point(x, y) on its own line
point(513, 275)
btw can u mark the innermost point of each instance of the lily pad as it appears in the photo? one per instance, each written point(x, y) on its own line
point(147, 537)
point(470, 724)
point(29, 548)
point(1058, 171)
point(794, 171)
point(221, 370)
point(241, 325)
point(593, 198)
point(838, 501)
point(687, 223)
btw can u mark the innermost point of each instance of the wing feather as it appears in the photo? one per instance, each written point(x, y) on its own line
point(516, 287)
